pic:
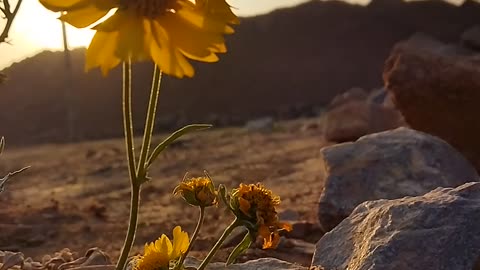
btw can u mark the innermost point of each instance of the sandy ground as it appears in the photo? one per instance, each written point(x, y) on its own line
point(77, 195)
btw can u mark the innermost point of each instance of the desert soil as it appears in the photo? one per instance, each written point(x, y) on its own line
point(77, 195)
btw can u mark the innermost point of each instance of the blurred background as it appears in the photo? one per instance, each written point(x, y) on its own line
point(287, 59)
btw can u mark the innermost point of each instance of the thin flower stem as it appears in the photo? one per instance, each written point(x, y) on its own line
point(218, 244)
point(135, 187)
point(127, 119)
point(149, 123)
point(132, 226)
point(194, 236)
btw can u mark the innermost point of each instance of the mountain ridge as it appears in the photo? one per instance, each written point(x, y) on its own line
point(292, 57)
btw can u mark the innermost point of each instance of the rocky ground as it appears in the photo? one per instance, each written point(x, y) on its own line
point(77, 195)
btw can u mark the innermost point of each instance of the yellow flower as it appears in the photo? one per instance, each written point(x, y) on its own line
point(198, 191)
point(256, 204)
point(165, 31)
point(158, 255)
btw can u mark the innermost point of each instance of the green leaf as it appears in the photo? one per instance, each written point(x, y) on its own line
point(240, 248)
point(172, 138)
point(2, 144)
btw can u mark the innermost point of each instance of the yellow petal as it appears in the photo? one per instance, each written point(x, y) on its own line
point(201, 20)
point(61, 5)
point(192, 41)
point(285, 226)
point(84, 17)
point(132, 36)
point(163, 247)
point(180, 243)
point(220, 10)
point(244, 206)
point(165, 54)
point(272, 241)
point(101, 52)
point(264, 231)
point(69, 5)
point(148, 248)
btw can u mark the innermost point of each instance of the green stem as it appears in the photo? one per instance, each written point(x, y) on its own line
point(127, 119)
point(219, 243)
point(132, 226)
point(149, 123)
point(194, 236)
point(135, 188)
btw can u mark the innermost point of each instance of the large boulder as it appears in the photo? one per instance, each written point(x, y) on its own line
point(437, 89)
point(437, 231)
point(354, 114)
point(386, 165)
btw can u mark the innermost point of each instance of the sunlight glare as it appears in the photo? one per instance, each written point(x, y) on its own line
point(47, 31)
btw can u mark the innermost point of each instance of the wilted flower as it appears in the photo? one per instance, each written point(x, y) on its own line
point(165, 31)
point(159, 255)
point(198, 191)
point(256, 204)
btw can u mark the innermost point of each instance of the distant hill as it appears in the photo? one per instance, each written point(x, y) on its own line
point(300, 56)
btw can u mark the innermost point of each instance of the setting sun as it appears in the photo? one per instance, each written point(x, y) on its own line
point(47, 32)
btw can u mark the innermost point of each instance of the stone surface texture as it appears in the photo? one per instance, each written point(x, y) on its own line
point(386, 165)
point(437, 231)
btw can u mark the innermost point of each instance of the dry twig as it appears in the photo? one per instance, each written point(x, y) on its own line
point(9, 15)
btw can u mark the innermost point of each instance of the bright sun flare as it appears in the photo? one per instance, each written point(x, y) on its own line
point(47, 32)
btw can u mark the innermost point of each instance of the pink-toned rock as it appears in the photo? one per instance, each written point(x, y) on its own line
point(437, 89)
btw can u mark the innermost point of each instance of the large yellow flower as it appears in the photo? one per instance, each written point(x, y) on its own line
point(158, 255)
point(165, 31)
point(257, 205)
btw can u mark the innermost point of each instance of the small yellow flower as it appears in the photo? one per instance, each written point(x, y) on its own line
point(198, 191)
point(158, 255)
point(256, 204)
point(165, 31)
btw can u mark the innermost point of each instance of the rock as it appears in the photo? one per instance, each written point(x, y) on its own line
point(437, 89)
point(295, 250)
point(264, 124)
point(351, 119)
point(387, 165)
point(436, 231)
point(471, 38)
point(306, 231)
point(259, 264)
point(353, 94)
point(378, 96)
point(289, 215)
point(310, 126)
point(382, 97)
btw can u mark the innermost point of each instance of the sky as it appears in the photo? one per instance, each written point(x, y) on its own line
point(36, 29)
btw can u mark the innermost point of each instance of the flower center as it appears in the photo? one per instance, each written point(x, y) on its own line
point(150, 8)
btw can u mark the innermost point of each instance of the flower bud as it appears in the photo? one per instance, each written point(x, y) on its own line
point(198, 191)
